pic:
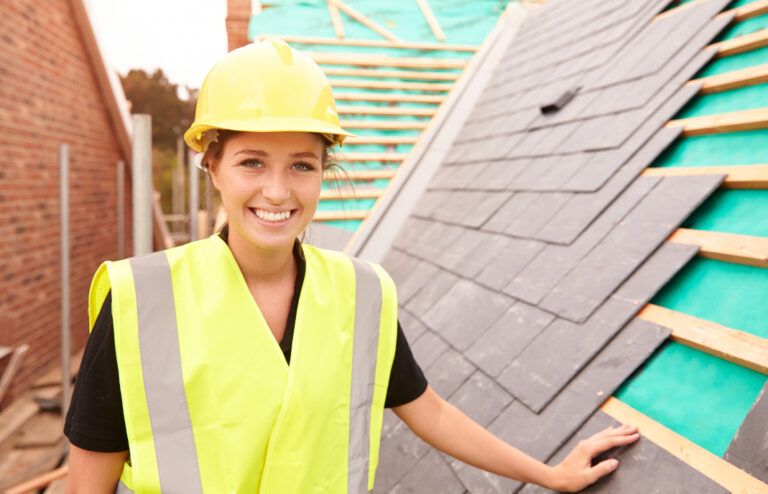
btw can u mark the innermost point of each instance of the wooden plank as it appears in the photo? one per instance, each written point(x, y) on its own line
point(382, 125)
point(336, 195)
point(389, 111)
point(53, 376)
point(733, 80)
point(732, 478)
point(392, 74)
point(37, 483)
point(405, 86)
point(741, 44)
point(338, 25)
point(736, 346)
point(404, 45)
point(361, 175)
point(43, 430)
point(365, 21)
point(752, 9)
point(15, 415)
point(723, 122)
point(350, 214)
point(394, 98)
point(431, 20)
point(58, 486)
point(736, 176)
point(677, 9)
point(11, 368)
point(728, 247)
point(384, 141)
point(388, 157)
point(380, 60)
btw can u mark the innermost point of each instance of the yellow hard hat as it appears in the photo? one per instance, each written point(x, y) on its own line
point(266, 87)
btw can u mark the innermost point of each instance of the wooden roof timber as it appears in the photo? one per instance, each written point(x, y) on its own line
point(734, 479)
point(365, 21)
point(431, 20)
point(404, 45)
point(753, 9)
point(338, 25)
point(736, 176)
point(392, 74)
point(729, 247)
point(351, 214)
point(750, 76)
point(384, 141)
point(378, 60)
point(735, 346)
point(383, 124)
point(389, 157)
point(363, 193)
point(394, 98)
point(406, 86)
point(741, 44)
point(391, 111)
point(723, 122)
point(361, 175)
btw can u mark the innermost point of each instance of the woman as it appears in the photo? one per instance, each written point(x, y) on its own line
point(248, 362)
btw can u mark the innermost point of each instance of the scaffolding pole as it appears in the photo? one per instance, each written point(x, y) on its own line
point(142, 184)
point(65, 325)
point(120, 209)
point(194, 197)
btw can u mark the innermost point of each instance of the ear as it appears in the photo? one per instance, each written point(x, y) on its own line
point(213, 170)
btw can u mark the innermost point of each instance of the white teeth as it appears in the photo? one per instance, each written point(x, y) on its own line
point(273, 217)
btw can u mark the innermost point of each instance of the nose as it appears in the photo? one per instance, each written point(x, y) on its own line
point(276, 188)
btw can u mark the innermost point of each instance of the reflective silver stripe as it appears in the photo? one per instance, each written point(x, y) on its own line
point(364, 352)
point(177, 464)
point(122, 489)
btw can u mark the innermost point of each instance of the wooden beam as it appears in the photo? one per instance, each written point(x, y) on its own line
point(336, 195)
point(431, 20)
point(15, 415)
point(741, 44)
point(404, 45)
point(382, 125)
point(392, 74)
point(389, 157)
point(372, 60)
point(352, 214)
point(365, 21)
point(733, 80)
point(393, 98)
point(752, 9)
point(389, 111)
point(11, 368)
point(736, 176)
point(406, 86)
point(383, 141)
point(734, 479)
point(338, 25)
point(37, 483)
point(739, 347)
point(360, 175)
point(723, 122)
point(677, 9)
point(728, 247)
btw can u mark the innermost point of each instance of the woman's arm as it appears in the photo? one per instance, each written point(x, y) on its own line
point(445, 427)
point(92, 472)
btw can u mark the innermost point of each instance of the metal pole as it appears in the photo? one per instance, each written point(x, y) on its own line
point(64, 208)
point(208, 204)
point(194, 198)
point(178, 179)
point(142, 184)
point(120, 209)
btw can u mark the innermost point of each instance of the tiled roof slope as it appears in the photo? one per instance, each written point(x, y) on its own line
point(522, 266)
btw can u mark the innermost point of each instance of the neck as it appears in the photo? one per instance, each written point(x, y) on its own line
point(260, 265)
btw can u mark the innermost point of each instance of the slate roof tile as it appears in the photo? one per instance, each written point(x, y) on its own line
point(481, 399)
point(510, 210)
point(412, 327)
point(539, 211)
point(431, 473)
point(473, 252)
point(449, 372)
point(470, 208)
point(429, 294)
point(410, 276)
point(433, 239)
point(428, 348)
point(400, 450)
point(497, 175)
point(513, 255)
point(749, 448)
point(657, 471)
point(462, 327)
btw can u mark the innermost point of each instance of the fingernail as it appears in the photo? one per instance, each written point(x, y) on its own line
point(614, 463)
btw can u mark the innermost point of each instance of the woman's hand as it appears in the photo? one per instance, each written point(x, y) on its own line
point(576, 472)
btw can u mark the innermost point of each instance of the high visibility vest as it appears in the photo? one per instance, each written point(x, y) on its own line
point(210, 404)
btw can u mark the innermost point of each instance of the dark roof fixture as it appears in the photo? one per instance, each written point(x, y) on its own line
point(560, 102)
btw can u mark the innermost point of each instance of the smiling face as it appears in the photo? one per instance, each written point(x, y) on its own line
point(270, 185)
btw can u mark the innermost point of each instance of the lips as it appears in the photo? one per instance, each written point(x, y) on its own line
point(273, 216)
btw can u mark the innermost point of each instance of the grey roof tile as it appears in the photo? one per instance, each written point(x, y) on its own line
point(429, 294)
point(410, 233)
point(497, 175)
point(541, 435)
point(644, 467)
point(488, 149)
point(478, 481)
point(513, 255)
point(462, 327)
point(749, 448)
point(470, 208)
point(530, 144)
point(538, 278)
point(449, 372)
point(508, 336)
point(428, 348)
point(400, 450)
point(430, 474)
point(566, 165)
point(412, 327)
point(640, 233)
point(481, 399)
point(474, 252)
point(510, 211)
point(412, 274)
point(453, 177)
point(538, 211)
point(550, 361)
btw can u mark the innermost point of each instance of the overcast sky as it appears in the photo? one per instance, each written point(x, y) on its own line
point(183, 37)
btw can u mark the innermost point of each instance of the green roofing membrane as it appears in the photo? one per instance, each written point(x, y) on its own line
point(733, 148)
point(745, 98)
point(739, 211)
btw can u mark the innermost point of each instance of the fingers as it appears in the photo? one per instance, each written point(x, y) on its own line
point(612, 431)
point(602, 468)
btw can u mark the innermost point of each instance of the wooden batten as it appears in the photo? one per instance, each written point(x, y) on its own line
point(431, 20)
point(724, 122)
point(741, 44)
point(391, 111)
point(365, 21)
point(372, 60)
point(382, 125)
point(393, 98)
point(734, 479)
point(383, 141)
point(752, 9)
point(728, 247)
point(733, 80)
point(404, 45)
point(336, 195)
point(338, 25)
point(388, 157)
point(398, 85)
point(352, 214)
point(360, 175)
point(736, 346)
point(736, 176)
point(392, 74)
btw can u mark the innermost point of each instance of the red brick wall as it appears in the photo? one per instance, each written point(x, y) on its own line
point(49, 95)
point(238, 17)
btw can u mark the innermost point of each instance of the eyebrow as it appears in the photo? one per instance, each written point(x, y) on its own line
point(259, 152)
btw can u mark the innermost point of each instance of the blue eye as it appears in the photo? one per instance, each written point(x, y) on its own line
point(251, 163)
point(303, 166)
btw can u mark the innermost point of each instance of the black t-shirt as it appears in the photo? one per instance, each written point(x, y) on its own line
point(95, 419)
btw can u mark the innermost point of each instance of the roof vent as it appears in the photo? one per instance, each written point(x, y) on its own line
point(560, 102)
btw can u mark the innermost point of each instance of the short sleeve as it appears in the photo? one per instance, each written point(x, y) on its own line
point(406, 381)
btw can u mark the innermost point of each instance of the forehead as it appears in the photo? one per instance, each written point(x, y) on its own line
point(276, 142)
